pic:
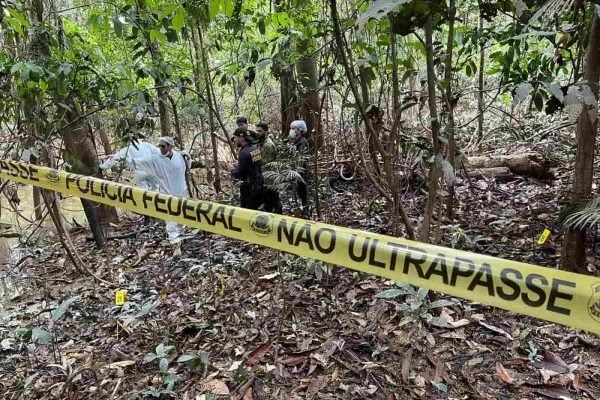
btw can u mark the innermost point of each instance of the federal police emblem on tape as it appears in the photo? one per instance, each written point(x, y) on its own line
point(594, 303)
point(52, 176)
point(262, 224)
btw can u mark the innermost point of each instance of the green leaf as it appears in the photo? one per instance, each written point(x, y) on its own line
point(42, 336)
point(185, 358)
point(100, 53)
point(391, 293)
point(474, 361)
point(59, 311)
point(216, 7)
point(441, 303)
point(379, 9)
point(146, 308)
point(19, 17)
point(203, 356)
point(178, 19)
point(555, 90)
point(149, 358)
point(440, 386)
point(23, 333)
point(170, 381)
point(163, 365)
point(118, 26)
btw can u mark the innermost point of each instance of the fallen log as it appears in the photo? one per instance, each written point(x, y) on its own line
point(526, 164)
point(502, 173)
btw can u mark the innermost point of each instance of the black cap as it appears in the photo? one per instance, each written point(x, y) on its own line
point(249, 135)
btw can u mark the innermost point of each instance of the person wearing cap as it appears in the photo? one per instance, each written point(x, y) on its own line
point(169, 168)
point(241, 122)
point(298, 131)
point(271, 201)
point(248, 169)
point(136, 149)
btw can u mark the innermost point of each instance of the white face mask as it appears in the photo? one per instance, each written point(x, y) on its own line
point(292, 133)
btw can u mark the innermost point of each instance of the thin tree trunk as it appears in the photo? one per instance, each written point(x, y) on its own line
point(176, 120)
point(37, 203)
point(211, 119)
point(481, 75)
point(573, 249)
point(435, 172)
point(162, 90)
point(289, 104)
point(306, 68)
point(450, 106)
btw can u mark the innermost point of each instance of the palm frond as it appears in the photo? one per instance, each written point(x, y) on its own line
point(584, 217)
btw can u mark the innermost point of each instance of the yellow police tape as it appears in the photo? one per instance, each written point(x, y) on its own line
point(558, 296)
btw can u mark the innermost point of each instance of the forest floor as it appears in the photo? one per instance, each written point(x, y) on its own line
point(232, 320)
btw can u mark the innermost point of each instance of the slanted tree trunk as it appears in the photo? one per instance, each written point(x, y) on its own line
point(306, 69)
point(435, 172)
point(83, 158)
point(573, 249)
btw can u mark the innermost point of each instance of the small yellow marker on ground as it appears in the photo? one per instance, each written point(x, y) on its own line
point(544, 236)
point(120, 297)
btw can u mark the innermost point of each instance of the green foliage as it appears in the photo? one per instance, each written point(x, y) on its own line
point(582, 217)
point(161, 353)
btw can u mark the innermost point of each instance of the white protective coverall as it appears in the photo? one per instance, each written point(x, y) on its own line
point(170, 173)
point(141, 149)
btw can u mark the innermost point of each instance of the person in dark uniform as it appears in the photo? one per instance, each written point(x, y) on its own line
point(298, 130)
point(248, 169)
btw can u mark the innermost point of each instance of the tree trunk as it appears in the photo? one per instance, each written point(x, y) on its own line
point(81, 154)
point(450, 107)
point(211, 118)
point(161, 90)
point(306, 69)
point(176, 120)
point(37, 203)
point(435, 173)
point(480, 73)
point(289, 102)
point(573, 250)
point(104, 139)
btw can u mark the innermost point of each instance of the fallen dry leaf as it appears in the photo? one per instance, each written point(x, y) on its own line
point(217, 387)
point(120, 364)
point(293, 360)
point(257, 354)
point(496, 329)
point(547, 374)
point(503, 374)
point(335, 374)
point(406, 365)
point(316, 384)
point(460, 323)
point(268, 277)
point(248, 395)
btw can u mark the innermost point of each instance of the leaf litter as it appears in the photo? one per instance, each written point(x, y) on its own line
point(231, 320)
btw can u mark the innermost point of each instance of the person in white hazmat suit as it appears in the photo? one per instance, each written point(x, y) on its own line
point(169, 168)
point(137, 149)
